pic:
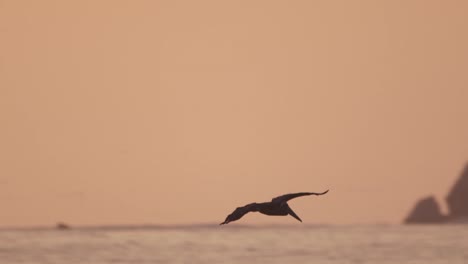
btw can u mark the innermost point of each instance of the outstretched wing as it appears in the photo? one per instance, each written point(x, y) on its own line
point(240, 212)
point(287, 197)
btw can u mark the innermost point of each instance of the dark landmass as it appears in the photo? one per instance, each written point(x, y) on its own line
point(457, 199)
point(427, 210)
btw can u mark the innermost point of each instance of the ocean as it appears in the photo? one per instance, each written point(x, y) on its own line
point(392, 244)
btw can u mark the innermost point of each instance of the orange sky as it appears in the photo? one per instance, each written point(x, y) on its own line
point(120, 112)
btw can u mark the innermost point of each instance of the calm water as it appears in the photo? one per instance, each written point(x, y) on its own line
point(320, 245)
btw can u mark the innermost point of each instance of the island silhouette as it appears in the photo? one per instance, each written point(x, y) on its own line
point(427, 210)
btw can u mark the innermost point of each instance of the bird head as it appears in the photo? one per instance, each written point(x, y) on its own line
point(228, 219)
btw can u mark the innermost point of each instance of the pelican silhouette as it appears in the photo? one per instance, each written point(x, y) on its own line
point(277, 206)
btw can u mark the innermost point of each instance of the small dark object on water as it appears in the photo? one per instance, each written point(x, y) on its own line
point(62, 226)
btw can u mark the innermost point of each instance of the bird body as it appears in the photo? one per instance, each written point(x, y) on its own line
point(277, 206)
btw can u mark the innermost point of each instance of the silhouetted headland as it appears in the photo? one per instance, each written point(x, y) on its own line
point(427, 210)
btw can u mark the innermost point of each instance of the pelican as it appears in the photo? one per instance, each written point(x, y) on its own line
point(277, 206)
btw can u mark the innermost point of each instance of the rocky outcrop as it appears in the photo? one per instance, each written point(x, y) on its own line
point(457, 199)
point(427, 210)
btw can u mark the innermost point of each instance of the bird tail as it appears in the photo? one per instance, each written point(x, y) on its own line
point(293, 214)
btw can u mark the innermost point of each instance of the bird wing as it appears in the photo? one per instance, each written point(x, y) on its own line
point(289, 196)
point(239, 213)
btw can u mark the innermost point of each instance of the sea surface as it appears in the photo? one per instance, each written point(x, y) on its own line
point(418, 244)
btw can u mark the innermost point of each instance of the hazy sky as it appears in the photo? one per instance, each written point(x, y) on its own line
point(121, 112)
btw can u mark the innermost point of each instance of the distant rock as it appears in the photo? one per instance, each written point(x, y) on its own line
point(457, 199)
point(426, 211)
point(62, 226)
